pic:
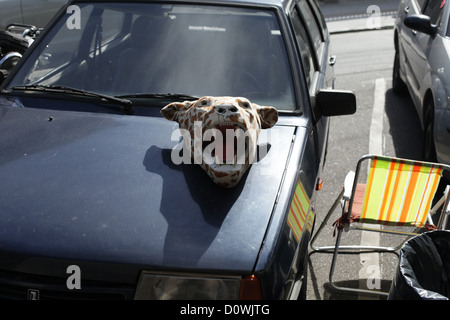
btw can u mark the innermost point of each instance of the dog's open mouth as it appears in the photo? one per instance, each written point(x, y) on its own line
point(228, 146)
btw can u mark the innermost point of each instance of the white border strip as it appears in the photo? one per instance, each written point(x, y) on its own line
point(370, 272)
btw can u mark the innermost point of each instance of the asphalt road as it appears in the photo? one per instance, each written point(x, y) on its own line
point(384, 123)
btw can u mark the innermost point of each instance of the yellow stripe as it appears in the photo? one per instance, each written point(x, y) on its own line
point(310, 221)
point(369, 186)
point(399, 191)
point(296, 230)
point(298, 211)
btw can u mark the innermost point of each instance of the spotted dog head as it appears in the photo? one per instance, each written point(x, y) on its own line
point(221, 133)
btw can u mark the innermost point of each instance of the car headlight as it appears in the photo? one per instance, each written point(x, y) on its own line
point(154, 286)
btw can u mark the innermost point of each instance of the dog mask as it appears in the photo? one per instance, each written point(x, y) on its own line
point(221, 133)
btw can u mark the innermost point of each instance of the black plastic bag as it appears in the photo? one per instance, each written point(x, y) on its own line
point(424, 268)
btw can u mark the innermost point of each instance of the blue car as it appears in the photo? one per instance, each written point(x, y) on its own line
point(95, 202)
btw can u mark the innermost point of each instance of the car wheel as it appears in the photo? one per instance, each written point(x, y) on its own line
point(397, 83)
point(429, 148)
point(10, 62)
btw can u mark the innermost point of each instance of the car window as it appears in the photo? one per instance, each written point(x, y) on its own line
point(110, 27)
point(421, 3)
point(433, 9)
point(129, 48)
point(311, 22)
point(304, 46)
point(320, 18)
point(448, 25)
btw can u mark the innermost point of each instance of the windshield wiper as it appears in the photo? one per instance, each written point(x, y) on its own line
point(171, 96)
point(125, 103)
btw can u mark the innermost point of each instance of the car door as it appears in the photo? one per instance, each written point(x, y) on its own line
point(418, 49)
point(407, 37)
point(312, 47)
point(312, 41)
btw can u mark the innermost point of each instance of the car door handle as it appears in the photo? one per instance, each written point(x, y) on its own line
point(332, 60)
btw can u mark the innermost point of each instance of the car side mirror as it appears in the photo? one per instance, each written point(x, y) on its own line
point(334, 103)
point(421, 23)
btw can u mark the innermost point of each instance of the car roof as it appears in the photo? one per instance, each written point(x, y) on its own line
point(274, 3)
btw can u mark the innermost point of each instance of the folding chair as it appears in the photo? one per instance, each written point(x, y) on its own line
point(398, 192)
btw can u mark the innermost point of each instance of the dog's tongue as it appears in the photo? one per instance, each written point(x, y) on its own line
point(227, 154)
point(228, 147)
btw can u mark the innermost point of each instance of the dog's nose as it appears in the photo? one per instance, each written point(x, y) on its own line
point(226, 108)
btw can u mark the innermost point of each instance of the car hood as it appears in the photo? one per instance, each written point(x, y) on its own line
point(100, 187)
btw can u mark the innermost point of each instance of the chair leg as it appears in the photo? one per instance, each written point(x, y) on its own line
point(336, 249)
point(442, 224)
point(347, 289)
point(325, 222)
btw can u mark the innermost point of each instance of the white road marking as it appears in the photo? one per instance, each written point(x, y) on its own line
point(376, 125)
point(370, 273)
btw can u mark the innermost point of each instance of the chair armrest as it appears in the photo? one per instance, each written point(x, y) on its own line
point(348, 185)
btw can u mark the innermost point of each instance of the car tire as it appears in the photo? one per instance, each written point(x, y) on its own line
point(429, 149)
point(398, 85)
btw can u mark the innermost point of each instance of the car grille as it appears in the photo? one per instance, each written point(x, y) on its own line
point(20, 286)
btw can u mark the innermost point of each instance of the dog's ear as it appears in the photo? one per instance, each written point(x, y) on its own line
point(173, 110)
point(268, 116)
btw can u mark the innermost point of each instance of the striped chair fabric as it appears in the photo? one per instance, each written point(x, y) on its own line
point(398, 192)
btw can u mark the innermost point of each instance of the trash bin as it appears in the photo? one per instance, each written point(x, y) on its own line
point(424, 268)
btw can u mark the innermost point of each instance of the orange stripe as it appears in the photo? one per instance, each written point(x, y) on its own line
point(396, 192)
point(435, 182)
point(369, 186)
point(304, 193)
point(418, 217)
point(399, 192)
point(309, 221)
point(299, 206)
point(297, 213)
point(294, 212)
point(296, 223)
point(296, 218)
point(296, 228)
point(387, 187)
point(410, 194)
point(292, 223)
point(391, 170)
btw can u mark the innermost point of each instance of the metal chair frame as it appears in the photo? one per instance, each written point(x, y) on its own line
point(345, 198)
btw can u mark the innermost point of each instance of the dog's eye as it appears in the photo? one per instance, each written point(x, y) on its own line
point(245, 104)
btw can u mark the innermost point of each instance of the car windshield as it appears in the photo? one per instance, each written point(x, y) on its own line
point(124, 49)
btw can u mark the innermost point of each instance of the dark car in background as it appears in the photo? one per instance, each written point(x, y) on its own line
point(421, 67)
point(20, 23)
point(30, 12)
point(92, 205)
